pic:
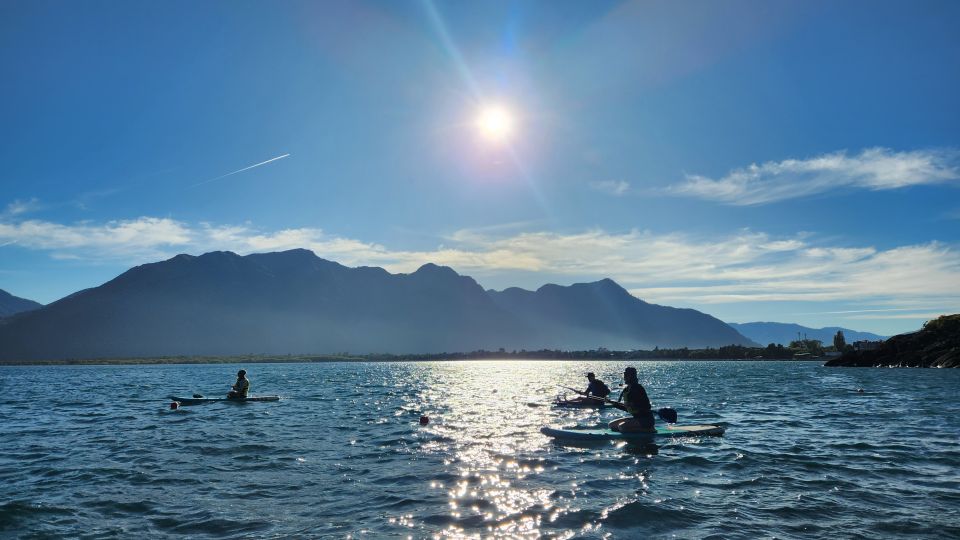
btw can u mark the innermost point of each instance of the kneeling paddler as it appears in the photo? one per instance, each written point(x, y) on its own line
point(241, 387)
point(634, 400)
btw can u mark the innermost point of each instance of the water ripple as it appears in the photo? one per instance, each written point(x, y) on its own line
point(343, 453)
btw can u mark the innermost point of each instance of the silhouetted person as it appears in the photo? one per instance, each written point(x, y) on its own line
point(596, 387)
point(241, 387)
point(634, 400)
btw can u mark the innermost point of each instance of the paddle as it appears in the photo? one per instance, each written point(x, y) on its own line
point(584, 394)
point(572, 390)
point(667, 414)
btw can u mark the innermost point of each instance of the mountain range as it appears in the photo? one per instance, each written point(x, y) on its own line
point(11, 305)
point(783, 333)
point(221, 303)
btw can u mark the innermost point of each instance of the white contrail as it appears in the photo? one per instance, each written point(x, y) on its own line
point(240, 170)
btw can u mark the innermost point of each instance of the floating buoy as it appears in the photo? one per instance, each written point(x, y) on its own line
point(424, 420)
point(174, 405)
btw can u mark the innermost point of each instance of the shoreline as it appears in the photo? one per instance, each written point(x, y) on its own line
point(323, 359)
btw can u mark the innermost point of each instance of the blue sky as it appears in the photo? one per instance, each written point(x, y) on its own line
point(780, 161)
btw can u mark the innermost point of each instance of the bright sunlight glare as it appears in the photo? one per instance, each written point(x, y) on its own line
point(495, 123)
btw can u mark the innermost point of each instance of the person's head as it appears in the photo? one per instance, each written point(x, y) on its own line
point(591, 376)
point(630, 375)
point(242, 373)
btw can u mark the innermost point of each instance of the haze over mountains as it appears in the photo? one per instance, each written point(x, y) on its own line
point(11, 305)
point(221, 303)
point(783, 333)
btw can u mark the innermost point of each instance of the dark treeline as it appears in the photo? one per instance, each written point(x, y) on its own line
point(728, 352)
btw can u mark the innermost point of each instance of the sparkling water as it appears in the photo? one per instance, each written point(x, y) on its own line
point(95, 451)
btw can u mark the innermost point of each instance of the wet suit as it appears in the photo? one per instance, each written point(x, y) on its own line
point(634, 398)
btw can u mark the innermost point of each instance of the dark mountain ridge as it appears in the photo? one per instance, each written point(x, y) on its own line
point(294, 302)
point(11, 305)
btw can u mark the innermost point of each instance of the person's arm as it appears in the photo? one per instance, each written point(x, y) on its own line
point(619, 404)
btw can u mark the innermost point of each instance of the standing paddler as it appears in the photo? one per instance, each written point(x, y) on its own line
point(634, 400)
point(241, 387)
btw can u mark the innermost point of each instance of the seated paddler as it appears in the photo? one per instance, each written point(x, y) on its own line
point(596, 387)
point(634, 400)
point(241, 387)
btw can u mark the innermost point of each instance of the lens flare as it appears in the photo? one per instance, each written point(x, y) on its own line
point(496, 123)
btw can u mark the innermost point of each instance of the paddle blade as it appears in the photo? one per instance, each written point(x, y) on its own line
point(668, 415)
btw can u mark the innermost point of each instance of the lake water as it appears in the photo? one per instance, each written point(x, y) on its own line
point(95, 451)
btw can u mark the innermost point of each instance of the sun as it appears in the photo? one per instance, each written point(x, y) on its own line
point(495, 123)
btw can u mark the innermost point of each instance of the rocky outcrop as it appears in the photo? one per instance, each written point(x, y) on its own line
point(936, 345)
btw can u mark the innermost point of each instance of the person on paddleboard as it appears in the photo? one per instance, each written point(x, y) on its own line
point(596, 387)
point(634, 400)
point(241, 387)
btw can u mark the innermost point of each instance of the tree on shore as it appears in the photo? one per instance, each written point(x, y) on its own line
point(839, 342)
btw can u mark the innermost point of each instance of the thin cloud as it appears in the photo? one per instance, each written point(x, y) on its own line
point(873, 169)
point(130, 240)
point(18, 208)
point(902, 316)
point(862, 311)
point(611, 187)
point(84, 200)
point(675, 269)
point(240, 170)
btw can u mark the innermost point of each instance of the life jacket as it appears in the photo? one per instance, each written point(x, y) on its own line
point(242, 386)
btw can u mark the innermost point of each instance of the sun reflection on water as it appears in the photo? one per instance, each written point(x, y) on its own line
point(493, 470)
point(494, 456)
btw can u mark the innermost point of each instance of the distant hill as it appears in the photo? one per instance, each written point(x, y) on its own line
point(766, 333)
point(937, 345)
point(603, 312)
point(11, 305)
point(294, 302)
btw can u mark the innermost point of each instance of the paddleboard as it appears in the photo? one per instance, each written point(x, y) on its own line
point(580, 404)
point(200, 401)
point(606, 434)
